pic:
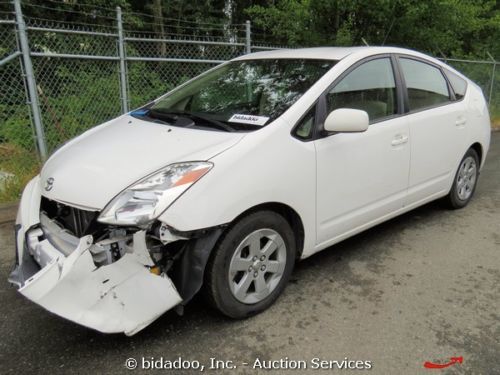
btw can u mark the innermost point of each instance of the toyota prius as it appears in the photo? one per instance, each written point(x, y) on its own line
point(223, 183)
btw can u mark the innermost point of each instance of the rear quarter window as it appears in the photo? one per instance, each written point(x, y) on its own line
point(458, 84)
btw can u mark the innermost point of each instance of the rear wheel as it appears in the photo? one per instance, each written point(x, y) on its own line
point(465, 181)
point(251, 265)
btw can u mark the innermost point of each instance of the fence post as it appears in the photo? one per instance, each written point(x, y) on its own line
point(123, 68)
point(492, 83)
point(248, 46)
point(30, 80)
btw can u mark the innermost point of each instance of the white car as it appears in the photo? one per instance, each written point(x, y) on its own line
point(223, 183)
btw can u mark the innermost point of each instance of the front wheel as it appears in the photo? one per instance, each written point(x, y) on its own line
point(251, 265)
point(465, 181)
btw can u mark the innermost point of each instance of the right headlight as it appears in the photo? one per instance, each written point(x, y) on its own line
point(144, 201)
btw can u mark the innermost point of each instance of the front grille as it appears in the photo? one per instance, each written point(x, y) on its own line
point(77, 221)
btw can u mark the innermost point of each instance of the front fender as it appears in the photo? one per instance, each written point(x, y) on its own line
point(266, 166)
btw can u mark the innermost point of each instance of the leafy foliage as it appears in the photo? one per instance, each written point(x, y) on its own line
point(449, 27)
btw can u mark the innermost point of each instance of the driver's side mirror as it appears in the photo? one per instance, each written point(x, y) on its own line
point(346, 120)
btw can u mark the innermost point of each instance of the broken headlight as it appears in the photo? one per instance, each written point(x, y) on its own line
point(145, 200)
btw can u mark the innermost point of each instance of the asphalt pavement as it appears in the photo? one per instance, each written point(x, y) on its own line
point(421, 287)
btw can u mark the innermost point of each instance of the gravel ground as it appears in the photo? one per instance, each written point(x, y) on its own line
point(422, 287)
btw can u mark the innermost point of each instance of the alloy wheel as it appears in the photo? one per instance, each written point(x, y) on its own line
point(466, 178)
point(257, 266)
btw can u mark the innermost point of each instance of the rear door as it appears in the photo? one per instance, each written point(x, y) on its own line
point(362, 177)
point(437, 129)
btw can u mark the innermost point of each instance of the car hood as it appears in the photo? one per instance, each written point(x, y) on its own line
point(93, 168)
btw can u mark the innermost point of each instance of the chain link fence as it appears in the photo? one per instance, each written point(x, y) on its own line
point(18, 153)
point(486, 73)
point(58, 79)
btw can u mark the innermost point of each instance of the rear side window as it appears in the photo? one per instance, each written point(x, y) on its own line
point(426, 85)
point(370, 87)
point(458, 84)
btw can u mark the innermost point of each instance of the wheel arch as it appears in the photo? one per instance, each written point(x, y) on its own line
point(290, 215)
point(479, 150)
point(189, 270)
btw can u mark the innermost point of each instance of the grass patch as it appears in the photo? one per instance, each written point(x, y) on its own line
point(22, 164)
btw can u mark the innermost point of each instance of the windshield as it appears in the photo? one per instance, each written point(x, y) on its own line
point(240, 95)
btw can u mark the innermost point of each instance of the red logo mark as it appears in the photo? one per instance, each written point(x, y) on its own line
point(453, 360)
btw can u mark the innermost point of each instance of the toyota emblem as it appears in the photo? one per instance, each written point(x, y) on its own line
point(49, 184)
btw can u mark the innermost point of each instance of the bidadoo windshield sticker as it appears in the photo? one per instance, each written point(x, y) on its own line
point(249, 119)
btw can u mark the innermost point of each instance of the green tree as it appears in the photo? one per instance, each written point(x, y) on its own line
point(447, 27)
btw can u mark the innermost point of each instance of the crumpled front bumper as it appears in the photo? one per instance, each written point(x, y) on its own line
point(120, 297)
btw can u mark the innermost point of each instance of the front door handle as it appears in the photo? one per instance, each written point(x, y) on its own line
point(399, 139)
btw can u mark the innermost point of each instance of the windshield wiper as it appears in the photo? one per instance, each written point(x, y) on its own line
point(169, 119)
point(154, 113)
point(209, 121)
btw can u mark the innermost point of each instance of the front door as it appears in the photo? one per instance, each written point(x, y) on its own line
point(362, 177)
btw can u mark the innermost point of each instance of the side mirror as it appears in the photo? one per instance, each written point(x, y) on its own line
point(347, 120)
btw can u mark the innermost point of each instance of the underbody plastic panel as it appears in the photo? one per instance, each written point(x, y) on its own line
point(121, 297)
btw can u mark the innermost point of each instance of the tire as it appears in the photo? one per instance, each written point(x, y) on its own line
point(237, 290)
point(465, 181)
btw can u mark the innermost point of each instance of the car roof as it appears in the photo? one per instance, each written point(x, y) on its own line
point(326, 53)
point(338, 53)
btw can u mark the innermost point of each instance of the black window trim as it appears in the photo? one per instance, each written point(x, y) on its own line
point(401, 94)
point(451, 92)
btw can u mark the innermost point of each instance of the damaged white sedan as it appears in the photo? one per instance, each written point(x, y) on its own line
point(224, 182)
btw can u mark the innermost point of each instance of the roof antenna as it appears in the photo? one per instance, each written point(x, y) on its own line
point(388, 31)
point(365, 42)
point(442, 54)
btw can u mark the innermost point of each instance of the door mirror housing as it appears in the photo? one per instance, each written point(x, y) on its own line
point(346, 120)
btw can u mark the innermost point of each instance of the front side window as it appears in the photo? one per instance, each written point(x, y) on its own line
point(242, 94)
point(305, 126)
point(370, 87)
point(425, 84)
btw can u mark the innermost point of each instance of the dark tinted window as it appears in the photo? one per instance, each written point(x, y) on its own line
point(305, 127)
point(370, 87)
point(426, 84)
point(459, 85)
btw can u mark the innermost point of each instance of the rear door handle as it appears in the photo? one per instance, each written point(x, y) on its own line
point(399, 139)
point(461, 121)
